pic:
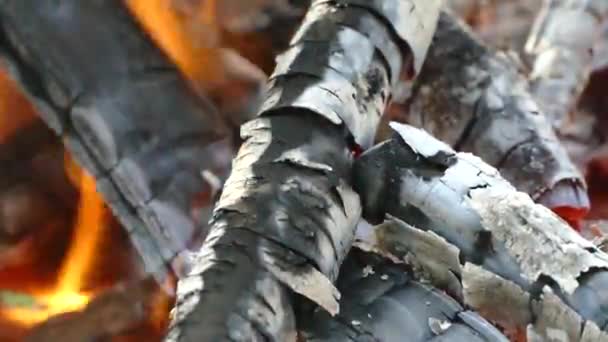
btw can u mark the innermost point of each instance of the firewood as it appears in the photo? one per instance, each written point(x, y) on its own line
point(287, 214)
point(110, 314)
point(477, 101)
point(384, 301)
point(519, 263)
point(561, 45)
point(124, 111)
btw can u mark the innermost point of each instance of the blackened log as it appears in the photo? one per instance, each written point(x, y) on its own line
point(502, 237)
point(383, 301)
point(122, 109)
point(287, 214)
point(477, 101)
point(561, 46)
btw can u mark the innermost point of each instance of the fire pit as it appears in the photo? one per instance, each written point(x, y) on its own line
point(203, 170)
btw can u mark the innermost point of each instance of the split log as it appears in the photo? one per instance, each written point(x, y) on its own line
point(383, 301)
point(287, 214)
point(476, 100)
point(123, 110)
point(561, 45)
point(518, 256)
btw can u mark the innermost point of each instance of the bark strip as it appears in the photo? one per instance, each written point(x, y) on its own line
point(287, 214)
point(561, 46)
point(465, 201)
point(477, 101)
point(385, 302)
point(122, 109)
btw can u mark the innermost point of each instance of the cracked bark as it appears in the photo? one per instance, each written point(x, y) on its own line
point(287, 214)
point(561, 46)
point(120, 106)
point(477, 101)
point(384, 302)
point(519, 245)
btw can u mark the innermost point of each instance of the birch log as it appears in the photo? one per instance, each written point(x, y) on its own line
point(124, 112)
point(287, 214)
point(477, 101)
point(383, 301)
point(561, 45)
point(518, 263)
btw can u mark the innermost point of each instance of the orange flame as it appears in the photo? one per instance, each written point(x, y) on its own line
point(69, 294)
point(191, 47)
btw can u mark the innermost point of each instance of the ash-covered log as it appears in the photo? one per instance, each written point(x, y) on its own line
point(384, 301)
point(561, 45)
point(513, 260)
point(123, 110)
point(287, 214)
point(477, 100)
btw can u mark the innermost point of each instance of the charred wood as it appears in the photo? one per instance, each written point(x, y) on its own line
point(477, 101)
point(122, 109)
point(517, 255)
point(287, 214)
point(383, 301)
point(561, 46)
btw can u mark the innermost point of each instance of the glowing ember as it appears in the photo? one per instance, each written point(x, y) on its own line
point(68, 294)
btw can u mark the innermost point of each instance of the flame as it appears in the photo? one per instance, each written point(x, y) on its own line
point(69, 293)
point(190, 41)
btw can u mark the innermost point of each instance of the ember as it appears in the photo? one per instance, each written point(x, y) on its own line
point(69, 292)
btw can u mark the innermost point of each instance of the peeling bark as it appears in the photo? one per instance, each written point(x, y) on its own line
point(287, 214)
point(477, 101)
point(465, 201)
point(561, 45)
point(124, 112)
point(384, 302)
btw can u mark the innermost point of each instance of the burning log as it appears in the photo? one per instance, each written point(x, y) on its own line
point(123, 110)
point(382, 301)
point(287, 214)
point(112, 313)
point(476, 100)
point(517, 255)
point(561, 44)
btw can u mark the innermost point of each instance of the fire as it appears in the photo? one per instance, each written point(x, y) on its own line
point(191, 44)
point(69, 292)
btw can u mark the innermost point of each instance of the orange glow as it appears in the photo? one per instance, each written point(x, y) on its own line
point(15, 111)
point(69, 293)
point(189, 41)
